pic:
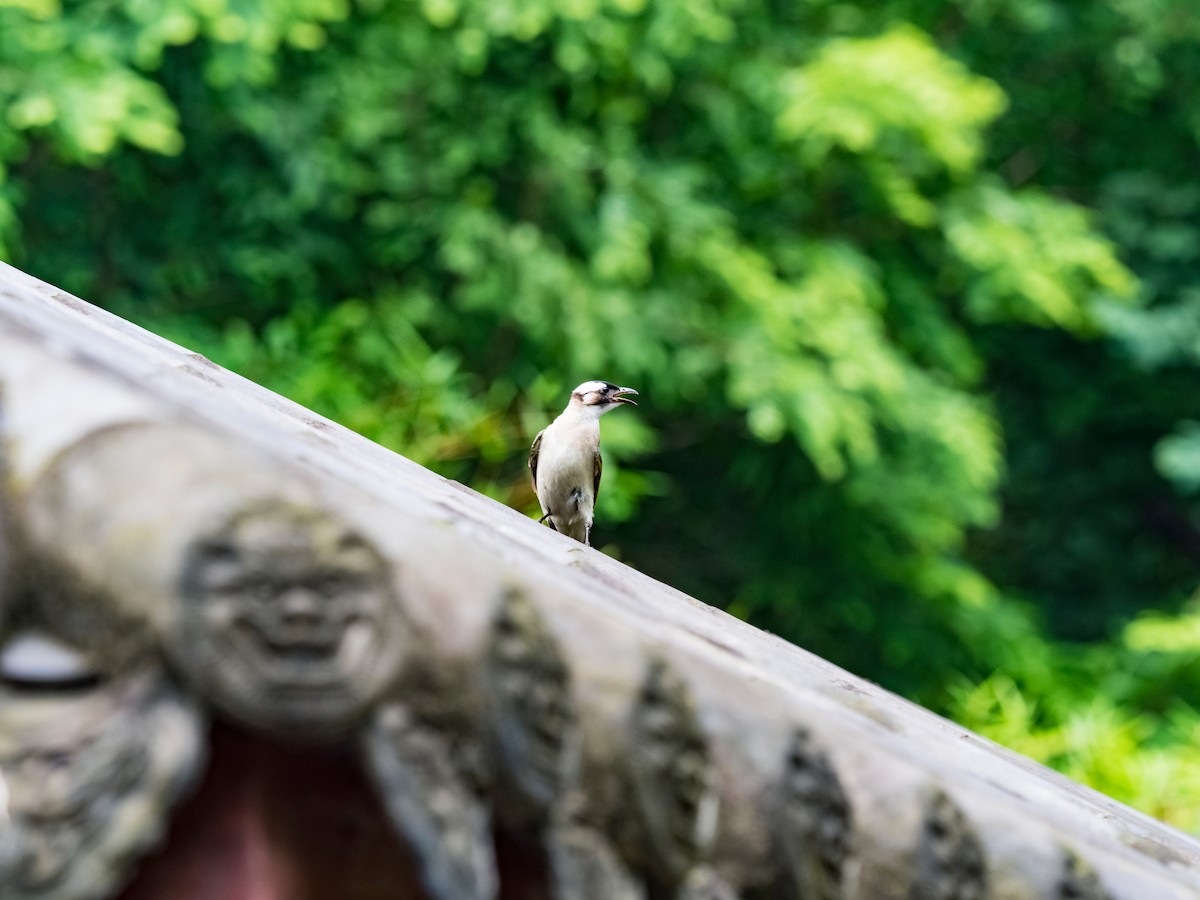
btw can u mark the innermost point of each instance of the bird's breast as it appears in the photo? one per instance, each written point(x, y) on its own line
point(566, 467)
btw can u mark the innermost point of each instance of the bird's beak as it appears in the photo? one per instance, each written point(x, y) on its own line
point(619, 399)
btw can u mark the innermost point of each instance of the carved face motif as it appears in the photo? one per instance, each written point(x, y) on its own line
point(64, 791)
point(288, 621)
point(90, 772)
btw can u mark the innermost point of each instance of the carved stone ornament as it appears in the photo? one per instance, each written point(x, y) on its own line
point(51, 599)
point(5, 582)
point(950, 861)
point(5, 532)
point(1079, 881)
point(584, 866)
point(432, 805)
point(703, 883)
point(90, 769)
point(814, 825)
point(288, 621)
point(531, 718)
point(10, 847)
point(672, 779)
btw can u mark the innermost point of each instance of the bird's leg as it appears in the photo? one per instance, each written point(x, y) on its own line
point(587, 535)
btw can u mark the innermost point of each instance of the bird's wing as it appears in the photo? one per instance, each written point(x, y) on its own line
point(597, 470)
point(533, 457)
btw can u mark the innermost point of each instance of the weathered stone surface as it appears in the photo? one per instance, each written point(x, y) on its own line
point(814, 828)
point(91, 773)
point(1079, 881)
point(583, 866)
point(133, 462)
point(5, 536)
point(950, 862)
point(287, 619)
point(432, 805)
point(282, 613)
point(674, 803)
point(703, 883)
point(50, 598)
point(531, 723)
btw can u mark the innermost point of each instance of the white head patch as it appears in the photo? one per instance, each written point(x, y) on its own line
point(589, 386)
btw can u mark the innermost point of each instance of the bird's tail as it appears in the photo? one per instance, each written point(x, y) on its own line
point(577, 529)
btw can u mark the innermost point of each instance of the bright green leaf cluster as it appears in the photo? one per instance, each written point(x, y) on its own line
point(898, 103)
point(1034, 258)
point(1122, 719)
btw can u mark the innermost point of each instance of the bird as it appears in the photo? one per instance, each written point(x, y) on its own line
point(564, 460)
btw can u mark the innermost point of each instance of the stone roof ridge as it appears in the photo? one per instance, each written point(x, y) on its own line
point(184, 551)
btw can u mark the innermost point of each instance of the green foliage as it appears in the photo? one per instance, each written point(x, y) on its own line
point(831, 245)
point(1139, 62)
point(1178, 457)
point(1038, 256)
point(1122, 718)
point(908, 111)
point(372, 364)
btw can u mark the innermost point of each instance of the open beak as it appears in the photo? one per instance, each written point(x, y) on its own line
point(620, 399)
